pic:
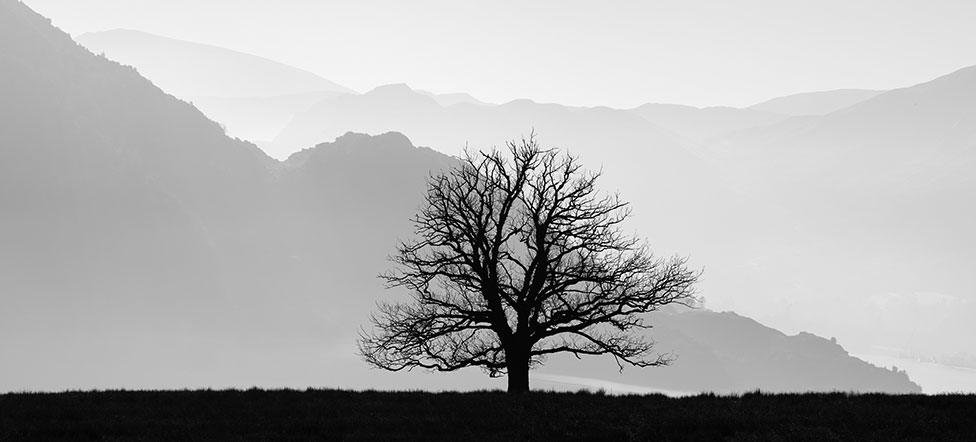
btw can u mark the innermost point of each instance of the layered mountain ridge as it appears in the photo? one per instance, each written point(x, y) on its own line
point(143, 248)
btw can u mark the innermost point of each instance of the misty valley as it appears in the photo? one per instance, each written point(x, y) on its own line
point(180, 216)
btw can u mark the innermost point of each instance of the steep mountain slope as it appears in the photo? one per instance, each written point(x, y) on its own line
point(815, 103)
point(188, 69)
point(84, 138)
point(116, 202)
point(251, 97)
point(143, 248)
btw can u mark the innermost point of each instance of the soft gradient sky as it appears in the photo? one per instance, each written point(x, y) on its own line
point(615, 53)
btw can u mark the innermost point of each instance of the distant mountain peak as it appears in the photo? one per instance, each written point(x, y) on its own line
point(389, 139)
point(391, 142)
point(393, 88)
point(399, 95)
point(521, 102)
point(451, 99)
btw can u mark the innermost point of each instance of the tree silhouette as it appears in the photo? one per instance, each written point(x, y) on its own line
point(518, 257)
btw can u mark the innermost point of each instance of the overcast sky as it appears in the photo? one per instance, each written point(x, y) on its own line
point(612, 53)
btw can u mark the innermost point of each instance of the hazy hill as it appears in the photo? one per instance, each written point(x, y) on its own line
point(880, 190)
point(677, 196)
point(451, 99)
point(449, 128)
point(634, 153)
point(144, 248)
point(815, 103)
point(257, 119)
point(187, 69)
point(731, 353)
point(916, 139)
point(701, 124)
point(117, 200)
point(252, 97)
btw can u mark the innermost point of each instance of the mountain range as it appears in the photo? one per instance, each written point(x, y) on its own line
point(252, 97)
point(874, 192)
point(143, 248)
point(258, 107)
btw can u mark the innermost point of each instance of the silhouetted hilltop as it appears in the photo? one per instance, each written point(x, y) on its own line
point(366, 188)
point(354, 146)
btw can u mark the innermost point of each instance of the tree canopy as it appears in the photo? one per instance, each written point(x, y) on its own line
point(518, 256)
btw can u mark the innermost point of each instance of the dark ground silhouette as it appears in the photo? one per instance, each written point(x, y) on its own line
point(330, 414)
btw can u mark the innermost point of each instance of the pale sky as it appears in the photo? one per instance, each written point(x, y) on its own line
point(613, 53)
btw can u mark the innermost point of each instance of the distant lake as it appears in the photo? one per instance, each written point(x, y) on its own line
point(553, 382)
point(934, 378)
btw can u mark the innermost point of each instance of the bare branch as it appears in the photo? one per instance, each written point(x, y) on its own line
point(518, 256)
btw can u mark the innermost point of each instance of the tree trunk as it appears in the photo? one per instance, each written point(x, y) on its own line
point(518, 374)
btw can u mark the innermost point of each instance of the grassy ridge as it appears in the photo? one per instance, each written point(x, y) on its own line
point(331, 414)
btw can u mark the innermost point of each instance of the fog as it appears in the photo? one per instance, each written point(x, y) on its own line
point(197, 216)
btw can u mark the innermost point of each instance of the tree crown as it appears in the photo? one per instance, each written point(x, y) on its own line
point(518, 256)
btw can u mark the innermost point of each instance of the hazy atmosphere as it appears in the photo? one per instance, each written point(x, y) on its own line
point(619, 53)
point(226, 194)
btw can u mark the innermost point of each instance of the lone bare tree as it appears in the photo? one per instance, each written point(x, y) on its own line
point(519, 257)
